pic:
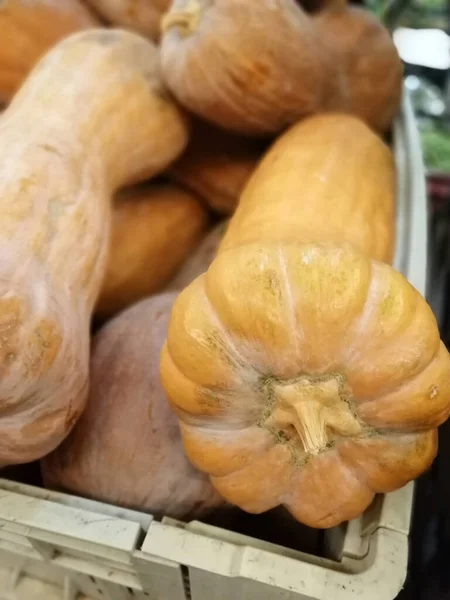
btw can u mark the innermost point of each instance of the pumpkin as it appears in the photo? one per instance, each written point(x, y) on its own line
point(28, 29)
point(199, 260)
point(216, 165)
point(304, 370)
point(217, 60)
point(220, 63)
point(143, 16)
point(62, 155)
point(126, 448)
point(154, 229)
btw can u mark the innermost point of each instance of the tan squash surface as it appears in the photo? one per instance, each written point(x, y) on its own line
point(92, 117)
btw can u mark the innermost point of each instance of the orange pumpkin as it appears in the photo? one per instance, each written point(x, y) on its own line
point(28, 29)
point(154, 229)
point(221, 62)
point(304, 371)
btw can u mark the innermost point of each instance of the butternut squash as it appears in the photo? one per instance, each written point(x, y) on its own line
point(305, 371)
point(220, 61)
point(216, 165)
point(143, 16)
point(126, 448)
point(28, 29)
point(92, 117)
point(154, 229)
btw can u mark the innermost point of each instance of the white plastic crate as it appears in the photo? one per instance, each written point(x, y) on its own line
point(56, 546)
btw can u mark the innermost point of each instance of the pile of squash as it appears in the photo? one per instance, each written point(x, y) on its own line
point(158, 357)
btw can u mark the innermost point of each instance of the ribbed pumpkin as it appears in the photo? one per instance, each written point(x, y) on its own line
point(305, 371)
point(63, 154)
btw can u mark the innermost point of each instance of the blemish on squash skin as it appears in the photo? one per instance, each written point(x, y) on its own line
point(271, 282)
point(25, 183)
point(105, 37)
point(252, 78)
point(212, 402)
point(51, 149)
point(11, 314)
point(10, 358)
point(209, 401)
point(42, 347)
point(214, 341)
point(434, 392)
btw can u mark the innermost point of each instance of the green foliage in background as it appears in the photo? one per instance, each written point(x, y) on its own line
point(436, 150)
point(411, 13)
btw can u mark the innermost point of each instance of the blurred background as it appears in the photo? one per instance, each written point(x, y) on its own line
point(421, 31)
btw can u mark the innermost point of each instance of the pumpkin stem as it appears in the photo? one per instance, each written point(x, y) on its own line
point(186, 20)
point(315, 410)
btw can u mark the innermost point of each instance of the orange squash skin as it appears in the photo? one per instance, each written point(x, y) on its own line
point(369, 62)
point(220, 62)
point(216, 165)
point(62, 157)
point(154, 229)
point(28, 29)
point(217, 60)
point(304, 371)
